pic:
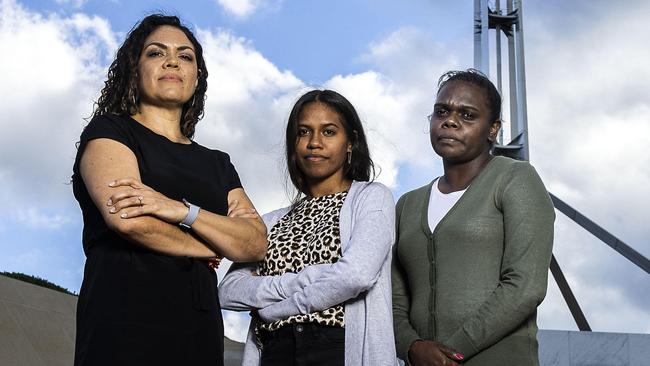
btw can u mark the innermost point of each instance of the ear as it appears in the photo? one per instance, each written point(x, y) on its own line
point(355, 136)
point(494, 130)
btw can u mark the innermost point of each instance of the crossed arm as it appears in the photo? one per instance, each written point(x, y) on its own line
point(321, 286)
point(148, 218)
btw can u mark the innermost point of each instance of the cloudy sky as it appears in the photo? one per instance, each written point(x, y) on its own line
point(588, 95)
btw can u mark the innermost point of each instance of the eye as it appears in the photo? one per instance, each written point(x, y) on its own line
point(468, 116)
point(187, 57)
point(329, 132)
point(303, 132)
point(440, 112)
point(154, 53)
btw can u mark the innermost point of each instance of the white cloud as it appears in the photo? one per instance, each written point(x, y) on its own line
point(242, 9)
point(74, 3)
point(35, 219)
point(50, 82)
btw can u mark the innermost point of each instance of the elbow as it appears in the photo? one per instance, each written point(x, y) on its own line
point(359, 282)
point(253, 252)
point(258, 249)
point(128, 228)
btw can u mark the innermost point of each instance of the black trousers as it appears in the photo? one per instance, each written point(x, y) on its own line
point(308, 344)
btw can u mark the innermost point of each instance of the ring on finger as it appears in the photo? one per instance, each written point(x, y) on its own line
point(140, 200)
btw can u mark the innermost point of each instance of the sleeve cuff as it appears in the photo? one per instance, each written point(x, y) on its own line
point(406, 342)
point(461, 342)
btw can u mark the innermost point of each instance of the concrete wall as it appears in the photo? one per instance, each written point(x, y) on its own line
point(564, 348)
point(37, 325)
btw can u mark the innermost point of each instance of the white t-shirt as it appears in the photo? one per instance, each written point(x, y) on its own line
point(440, 204)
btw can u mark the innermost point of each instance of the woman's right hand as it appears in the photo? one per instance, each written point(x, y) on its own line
point(432, 353)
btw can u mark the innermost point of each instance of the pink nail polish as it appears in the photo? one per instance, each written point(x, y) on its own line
point(459, 355)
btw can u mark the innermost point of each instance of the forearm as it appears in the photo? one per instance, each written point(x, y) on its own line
point(164, 238)
point(356, 271)
point(240, 290)
point(238, 239)
point(405, 333)
point(505, 311)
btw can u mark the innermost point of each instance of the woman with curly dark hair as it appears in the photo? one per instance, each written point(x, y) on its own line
point(155, 207)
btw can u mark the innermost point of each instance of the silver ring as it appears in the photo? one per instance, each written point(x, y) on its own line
point(140, 199)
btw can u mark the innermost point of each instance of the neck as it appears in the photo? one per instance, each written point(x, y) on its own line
point(161, 120)
point(323, 188)
point(458, 176)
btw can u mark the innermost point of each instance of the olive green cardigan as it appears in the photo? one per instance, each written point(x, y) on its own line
point(474, 284)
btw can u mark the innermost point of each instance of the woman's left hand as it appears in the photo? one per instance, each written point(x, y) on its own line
point(137, 199)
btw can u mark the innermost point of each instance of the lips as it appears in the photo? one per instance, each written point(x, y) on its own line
point(314, 157)
point(448, 138)
point(171, 77)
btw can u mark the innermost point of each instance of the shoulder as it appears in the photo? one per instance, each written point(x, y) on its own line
point(221, 157)
point(106, 124)
point(511, 170)
point(510, 166)
point(371, 192)
point(417, 194)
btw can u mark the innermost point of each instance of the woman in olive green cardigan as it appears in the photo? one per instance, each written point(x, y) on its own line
point(473, 246)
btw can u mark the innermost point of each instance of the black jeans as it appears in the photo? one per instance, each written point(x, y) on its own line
point(308, 344)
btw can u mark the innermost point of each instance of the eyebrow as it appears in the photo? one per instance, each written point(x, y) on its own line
point(329, 124)
point(164, 46)
point(462, 106)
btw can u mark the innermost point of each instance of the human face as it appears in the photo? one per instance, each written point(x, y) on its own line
point(461, 130)
point(167, 69)
point(322, 144)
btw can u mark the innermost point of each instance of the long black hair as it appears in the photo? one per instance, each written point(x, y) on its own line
point(120, 94)
point(360, 168)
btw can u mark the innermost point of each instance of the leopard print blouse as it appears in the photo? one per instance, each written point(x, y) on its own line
point(308, 234)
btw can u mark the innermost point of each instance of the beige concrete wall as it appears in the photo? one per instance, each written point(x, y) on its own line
point(37, 327)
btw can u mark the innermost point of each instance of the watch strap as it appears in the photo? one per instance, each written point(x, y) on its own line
point(191, 215)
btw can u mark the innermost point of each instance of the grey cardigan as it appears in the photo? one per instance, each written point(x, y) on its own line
point(360, 279)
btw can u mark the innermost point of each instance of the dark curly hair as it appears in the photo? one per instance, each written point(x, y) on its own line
point(120, 94)
point(361, 167)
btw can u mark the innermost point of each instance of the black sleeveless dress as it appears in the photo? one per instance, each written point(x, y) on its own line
point(136, 306)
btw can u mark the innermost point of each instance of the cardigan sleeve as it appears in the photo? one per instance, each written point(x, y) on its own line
point(528, 217)
point(358, 269)
point(405, 334)
point(240, 290)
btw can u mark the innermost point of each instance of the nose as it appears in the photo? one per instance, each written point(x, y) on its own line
point(171, 61)
point(450, 121)
point(314, 141)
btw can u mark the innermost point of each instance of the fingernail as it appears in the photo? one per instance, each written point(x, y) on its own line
point(123, 216)
point(110, 202)
point(112, 210)
point(459, 355)
point(111, 184)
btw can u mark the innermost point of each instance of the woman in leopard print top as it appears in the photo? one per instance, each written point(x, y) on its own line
point(326, 271)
